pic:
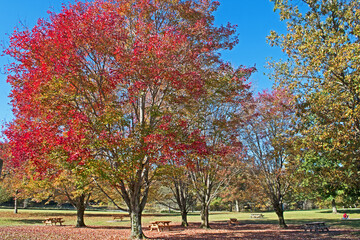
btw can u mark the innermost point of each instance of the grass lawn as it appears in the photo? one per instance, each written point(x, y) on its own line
point(27, 222)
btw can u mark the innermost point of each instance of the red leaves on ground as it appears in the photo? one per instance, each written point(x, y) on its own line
point(219, 231)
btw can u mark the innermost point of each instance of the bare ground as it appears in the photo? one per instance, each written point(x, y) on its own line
point(219, 230)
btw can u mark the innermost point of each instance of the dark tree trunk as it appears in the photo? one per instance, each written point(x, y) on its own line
point(231, 206)
point(16, 202)
point(333, 204)
point(184, 221)
point(280, 213)
point(135, 195)
point(181, 194)
point(1, 165)
point(80, 210)
point(204, 214)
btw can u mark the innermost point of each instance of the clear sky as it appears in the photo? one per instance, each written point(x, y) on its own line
point(255, 20)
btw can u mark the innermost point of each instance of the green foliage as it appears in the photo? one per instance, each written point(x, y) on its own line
point(322, 70)
point(4, 195)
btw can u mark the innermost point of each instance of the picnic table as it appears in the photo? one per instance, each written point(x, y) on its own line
point(256, 215)
point(233, 221)
point(160, 225)
point(316, 226)
point(53, 221)
point(121, 217)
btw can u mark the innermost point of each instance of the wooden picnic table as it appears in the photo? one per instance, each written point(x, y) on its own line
point(256, 215)
point(233, 221)
point(53, 221)
point(121, 217)
point(160, 225)
point(316, 226)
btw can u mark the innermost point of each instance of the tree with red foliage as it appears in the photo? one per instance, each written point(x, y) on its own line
point(94, 85)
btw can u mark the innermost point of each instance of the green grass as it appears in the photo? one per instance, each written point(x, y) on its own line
point(104, 218)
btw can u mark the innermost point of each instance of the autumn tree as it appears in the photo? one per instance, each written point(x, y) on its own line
point(105, 77)
point(322, 69)
point(53, 164)
point(217, 160)
point(244, 190)
point(268, 137)
point(177, 179)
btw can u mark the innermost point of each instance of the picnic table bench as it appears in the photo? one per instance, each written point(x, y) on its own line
point(256, 215)
point(53, 221)
point(316, 226)
point(159, 225)
point(233, 221)
point(121, 217)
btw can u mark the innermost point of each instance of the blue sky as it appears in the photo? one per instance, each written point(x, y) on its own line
point(255, 20)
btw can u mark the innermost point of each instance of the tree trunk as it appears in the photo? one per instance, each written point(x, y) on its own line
point(15, 205)
point(333, 204)
point(184, 221)
point(231, 206)
point(136, 229)
point(26, 203)
point(80, 210)
point(237, 208)
point(1, 165)
point(136, 199)
point(204, 214)
point(280, 213)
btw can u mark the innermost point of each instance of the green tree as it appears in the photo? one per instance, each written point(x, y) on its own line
point(322, 46)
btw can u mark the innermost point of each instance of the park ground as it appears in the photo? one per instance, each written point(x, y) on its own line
point(28, 224)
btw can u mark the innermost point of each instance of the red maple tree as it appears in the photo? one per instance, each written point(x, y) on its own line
point(96, 83)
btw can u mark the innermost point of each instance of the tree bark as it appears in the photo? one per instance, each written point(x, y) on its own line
point(135, 197)
point(280, 213)
point(136, 229)
point(80, 210)
point(1, 165)
point(237, 208)
point(181, 195)
point(333, 204)
point(184, 221)
point(16, 202)
point(204, 214)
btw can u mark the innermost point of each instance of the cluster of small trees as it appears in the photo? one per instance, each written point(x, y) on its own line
point(113, 97)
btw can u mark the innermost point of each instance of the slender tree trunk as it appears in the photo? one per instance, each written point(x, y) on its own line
point(1, 165)
point(15, 204)
point(333, 204)
point(231, 206)
point(80, 210)
point(237, 208)
point(204, 214)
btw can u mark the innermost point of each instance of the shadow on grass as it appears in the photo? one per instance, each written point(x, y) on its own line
point(350, 223)
point(348, 211)
point(28, 221)
point(252, 230)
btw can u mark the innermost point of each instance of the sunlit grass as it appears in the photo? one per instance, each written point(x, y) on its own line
point(105, 218)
